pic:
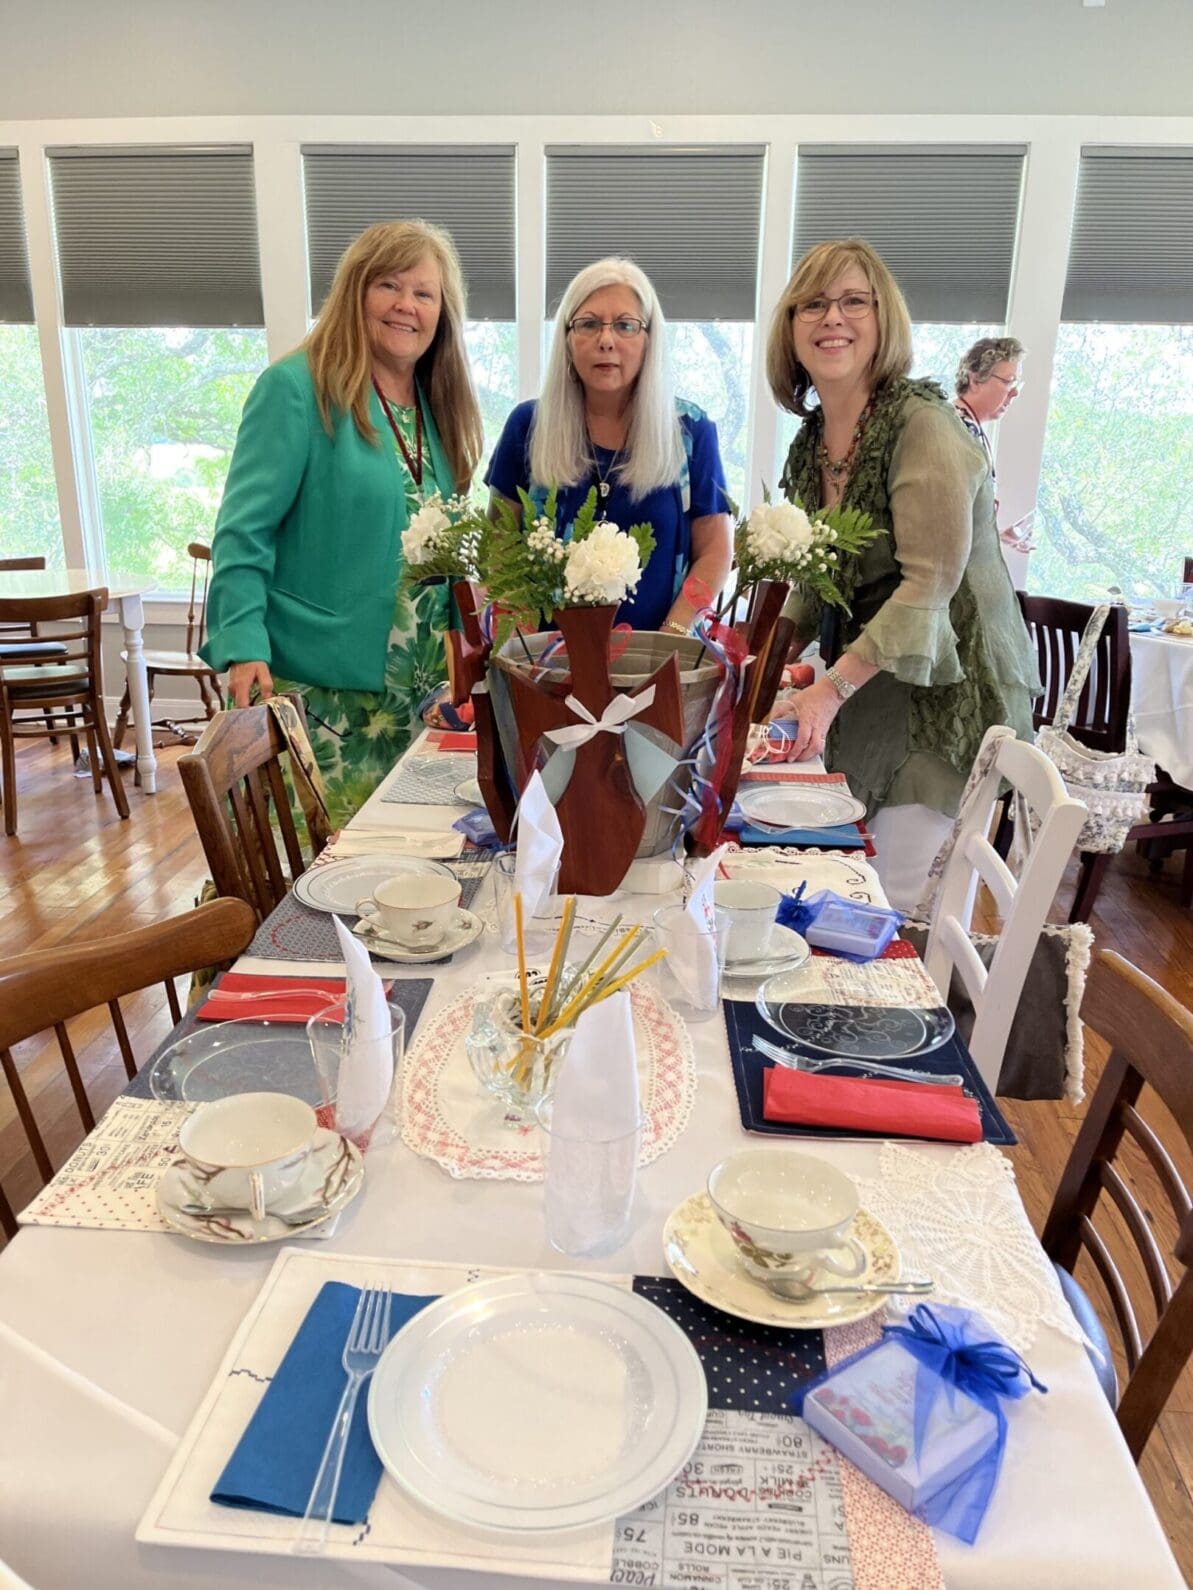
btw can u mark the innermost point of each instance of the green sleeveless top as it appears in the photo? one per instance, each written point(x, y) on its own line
point(932, 604)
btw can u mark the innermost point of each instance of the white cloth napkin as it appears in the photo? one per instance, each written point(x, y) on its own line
point(367, 1056)
point(692, 957)
point(540, 845)
point(596, 1094)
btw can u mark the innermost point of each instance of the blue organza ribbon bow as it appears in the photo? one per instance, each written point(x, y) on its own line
point(949, 1344)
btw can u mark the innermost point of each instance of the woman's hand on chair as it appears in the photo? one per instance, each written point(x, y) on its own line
point(242, 676)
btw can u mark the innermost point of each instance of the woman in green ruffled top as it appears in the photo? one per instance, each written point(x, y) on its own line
point(934, 649)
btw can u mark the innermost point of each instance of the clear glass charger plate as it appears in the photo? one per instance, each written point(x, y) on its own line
point(800, 805)
point(339, 885)
point(222, 1058)
point(854, 1032)
point(537, 1402)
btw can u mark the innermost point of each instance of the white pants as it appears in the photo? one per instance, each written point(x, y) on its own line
point(907, 839)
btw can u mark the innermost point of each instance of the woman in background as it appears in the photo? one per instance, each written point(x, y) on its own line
point(608, 418)
point(934, 650)
point(340, 443)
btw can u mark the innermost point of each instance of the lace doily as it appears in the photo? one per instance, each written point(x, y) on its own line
point(447, 1117)
point(961, 1221)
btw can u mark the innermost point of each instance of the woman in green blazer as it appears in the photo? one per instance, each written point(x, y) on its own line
point(340, 444)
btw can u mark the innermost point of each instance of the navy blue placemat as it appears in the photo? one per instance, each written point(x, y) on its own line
point(749, 1368)
point(743, 1023)
point(410, 994)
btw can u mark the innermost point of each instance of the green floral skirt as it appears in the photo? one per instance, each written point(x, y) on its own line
point(358, 735)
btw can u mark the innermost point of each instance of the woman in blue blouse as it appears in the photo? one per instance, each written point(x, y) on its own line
point(608, 418)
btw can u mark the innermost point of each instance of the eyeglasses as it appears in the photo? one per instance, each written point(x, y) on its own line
point(592, 326)
point(1008, 381)
point(854, 306)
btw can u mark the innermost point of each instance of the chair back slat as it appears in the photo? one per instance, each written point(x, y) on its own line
point(172, 1000)
point(1120, 1299)
point(1151, 1045)
point(196, 615)
point(47, 989)
point(237, 794)
point(1056, 626)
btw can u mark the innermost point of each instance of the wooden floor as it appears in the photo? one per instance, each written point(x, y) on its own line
point(76, 871)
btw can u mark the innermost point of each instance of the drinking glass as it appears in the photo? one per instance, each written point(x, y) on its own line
point(592, 1170)
point(689, 976)
point(538, 932)
point(326, 1034)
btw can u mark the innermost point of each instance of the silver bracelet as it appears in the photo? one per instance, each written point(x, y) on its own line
point(840, 684)
point(676, 628)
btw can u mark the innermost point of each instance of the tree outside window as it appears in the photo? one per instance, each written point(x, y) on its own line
point(1115, 506)
point(493, 352)
point(29, 521)
point(164, 407)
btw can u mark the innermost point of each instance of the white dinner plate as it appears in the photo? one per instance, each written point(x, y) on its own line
point(800, 805)
point(537, 1402)
point(337, 886)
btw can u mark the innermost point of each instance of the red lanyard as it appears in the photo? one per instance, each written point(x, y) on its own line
point(414, 466)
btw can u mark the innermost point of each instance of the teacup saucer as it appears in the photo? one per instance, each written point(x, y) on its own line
point(702, 1257)
point(463, 930)
point(787, 951)
point(332, 1179)
point(469, 793)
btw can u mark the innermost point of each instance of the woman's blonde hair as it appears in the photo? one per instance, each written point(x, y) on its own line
point(820, 266)
point(560, 452)
point(341, 355)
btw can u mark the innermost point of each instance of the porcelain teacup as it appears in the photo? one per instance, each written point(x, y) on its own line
point(788, 1214)
point(247, 1151)
point(746, 917)
point(415, 909)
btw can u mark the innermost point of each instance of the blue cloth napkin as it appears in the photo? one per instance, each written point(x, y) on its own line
point(846, 837)
point(278, 1456)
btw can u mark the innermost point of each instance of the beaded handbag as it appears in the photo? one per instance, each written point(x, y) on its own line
point(1112, 784)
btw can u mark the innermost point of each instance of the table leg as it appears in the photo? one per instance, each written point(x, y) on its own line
point(132, 617)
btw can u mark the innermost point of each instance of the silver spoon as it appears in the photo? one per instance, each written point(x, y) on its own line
point(800, 1291)
point(298, 1217)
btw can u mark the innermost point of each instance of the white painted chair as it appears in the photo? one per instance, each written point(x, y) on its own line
point(1022, 903)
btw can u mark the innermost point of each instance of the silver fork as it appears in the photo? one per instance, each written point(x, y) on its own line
point(891, 1073)
point(367, 1340)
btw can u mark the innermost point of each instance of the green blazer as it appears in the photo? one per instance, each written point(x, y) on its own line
point(307, 550)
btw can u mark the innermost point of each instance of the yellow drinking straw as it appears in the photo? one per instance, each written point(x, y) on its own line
point(525, 991)
point(561, 944)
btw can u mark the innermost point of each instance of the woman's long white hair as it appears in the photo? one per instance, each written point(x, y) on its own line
point(560, 451)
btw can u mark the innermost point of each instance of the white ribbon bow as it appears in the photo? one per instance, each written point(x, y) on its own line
point(612, 721)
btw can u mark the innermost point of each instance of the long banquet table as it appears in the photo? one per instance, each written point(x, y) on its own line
point(109, 1340)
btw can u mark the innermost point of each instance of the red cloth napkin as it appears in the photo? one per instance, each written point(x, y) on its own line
point(451, 740)
point(896, 1109)
point(298, 998)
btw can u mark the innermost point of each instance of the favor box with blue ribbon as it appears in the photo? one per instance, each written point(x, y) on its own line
point(921, 1413)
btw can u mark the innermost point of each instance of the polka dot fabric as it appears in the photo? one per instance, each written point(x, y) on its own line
point(749, 1368)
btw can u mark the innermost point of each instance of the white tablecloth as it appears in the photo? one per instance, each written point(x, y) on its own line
point(1162, 696)
point(108, 1341)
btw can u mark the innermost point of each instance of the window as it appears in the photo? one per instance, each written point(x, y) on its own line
point(1113, 507)
point(164, 408)
point(29, 523)
point(712, 360)
point(493, 352)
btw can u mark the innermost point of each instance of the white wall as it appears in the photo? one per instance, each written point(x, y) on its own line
point(62, 58)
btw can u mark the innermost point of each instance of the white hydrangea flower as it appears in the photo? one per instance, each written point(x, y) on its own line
point(779, 532)
point(421, 538)
point(604, 568)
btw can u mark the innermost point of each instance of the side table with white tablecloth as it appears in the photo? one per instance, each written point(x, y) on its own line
point(1162, 700)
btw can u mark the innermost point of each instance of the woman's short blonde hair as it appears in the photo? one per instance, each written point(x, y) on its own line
point(820, 266)
point(341, 355)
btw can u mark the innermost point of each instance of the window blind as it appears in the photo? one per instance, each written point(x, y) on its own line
point(1131, 254)
point(943, 218)
point(16, 295)
point(157, 236)
point(469, 191)
point(689, 217)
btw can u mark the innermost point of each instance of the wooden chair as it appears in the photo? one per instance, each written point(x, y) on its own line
point(1023, 905)
point(1151, 1042)
point(1101, 723)
point(65, 694)
point(186, 663)
point(23, 643)
point(48, 988)
point(238, 798)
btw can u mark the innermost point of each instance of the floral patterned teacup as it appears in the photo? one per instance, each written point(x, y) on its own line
point(415, 909)
point(247, 1151)
point(788, 1214)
